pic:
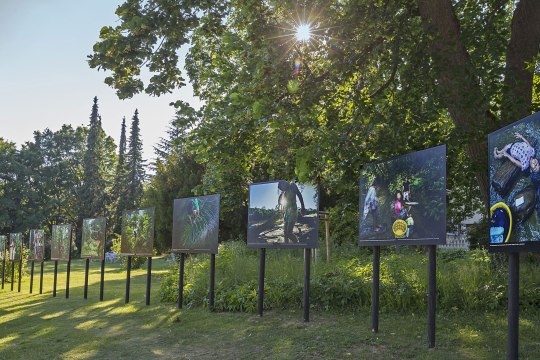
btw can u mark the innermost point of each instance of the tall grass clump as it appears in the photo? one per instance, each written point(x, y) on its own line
point(466, 280)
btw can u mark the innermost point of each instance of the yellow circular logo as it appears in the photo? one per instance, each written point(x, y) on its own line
point(399, 228)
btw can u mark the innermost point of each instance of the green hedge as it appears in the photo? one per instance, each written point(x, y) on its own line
point(465, 280)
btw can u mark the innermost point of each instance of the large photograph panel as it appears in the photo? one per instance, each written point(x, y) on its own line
point(61, 242)
point(138, 232)
point(196, 224)
point(283, 214)
point(37, 244)
point(514, 174)
point(15, 247)
point(93, 238)
point(403, 200)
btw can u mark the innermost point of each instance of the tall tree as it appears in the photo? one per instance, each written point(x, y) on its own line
point(177, 175)
point(94, 189)
point(120, 180)
point(135, 174)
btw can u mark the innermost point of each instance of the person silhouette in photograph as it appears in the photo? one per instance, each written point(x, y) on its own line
point(287, 203)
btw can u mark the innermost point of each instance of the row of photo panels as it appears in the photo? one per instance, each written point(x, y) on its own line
point(402, 201)
point(137, 239)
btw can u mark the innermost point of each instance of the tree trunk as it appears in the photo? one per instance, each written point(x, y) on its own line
point(461, 91)
point(522, 48)
point(459, 88)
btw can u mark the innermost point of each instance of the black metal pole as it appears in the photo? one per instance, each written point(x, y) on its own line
point(181, 281)
point(212, 281)
point(55, 277)
point(67, 278)
point(375, 288)
point(32, 277)
point(513, 305)
point(101, 284)
point(148, 280)
point(87, 269)
point(260, 293)
point(432, 293)
point(3, 270)
point(128, 278)
point(41, 278)
point(20, 272)
point(12, 274)
point(307, 274)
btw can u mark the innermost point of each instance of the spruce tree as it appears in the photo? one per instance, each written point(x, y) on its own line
point(135, 165)
point(94, 187)
point(120, 181)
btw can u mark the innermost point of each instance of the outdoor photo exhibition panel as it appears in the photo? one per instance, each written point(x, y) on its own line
point(514, 177)
point(514, 198)
point(138, 240)
point(138, 232)
point(196, 230)
point(36, 245)
point(283, 214)
point(196, 224)
point(93, 247)
point(402, 201)
point(15, 247)
point(61, 242)
point(36, 253)
point(15, 255)
point(61, 251)
point(93, 238)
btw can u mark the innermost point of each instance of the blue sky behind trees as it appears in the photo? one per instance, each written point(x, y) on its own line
point(46, 81)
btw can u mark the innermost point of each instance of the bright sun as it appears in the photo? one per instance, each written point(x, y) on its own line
point(303, 32)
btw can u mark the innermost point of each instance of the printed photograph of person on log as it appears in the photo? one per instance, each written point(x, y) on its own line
point(93, 238)
point(283, 214)
point(403, 199)
point(514, 173)
point(196, 224)
point(61, 242)
point(37, 243)
point(138, 232)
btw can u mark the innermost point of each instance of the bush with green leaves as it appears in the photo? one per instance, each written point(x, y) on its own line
point(466, 280)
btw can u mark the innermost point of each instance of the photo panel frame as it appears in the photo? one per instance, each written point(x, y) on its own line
point(196, 224)
point(283, 214)
point(61, 242)
point(402, 200)
point(138, 232)
point(94, 232)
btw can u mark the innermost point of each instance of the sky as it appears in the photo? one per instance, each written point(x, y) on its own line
point(266, 196)
point(45, 80)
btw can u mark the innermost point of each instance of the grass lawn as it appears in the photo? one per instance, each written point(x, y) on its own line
point(34, 326)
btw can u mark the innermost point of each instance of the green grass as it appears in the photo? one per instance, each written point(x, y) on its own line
point(36, 326)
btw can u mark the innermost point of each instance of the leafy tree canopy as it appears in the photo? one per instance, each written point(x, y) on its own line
point(376, 79)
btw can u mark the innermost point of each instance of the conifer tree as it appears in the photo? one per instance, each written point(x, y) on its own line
point(94, 187)
point(120, 180)
point(135, 165)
